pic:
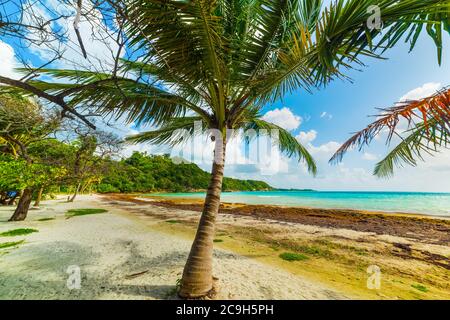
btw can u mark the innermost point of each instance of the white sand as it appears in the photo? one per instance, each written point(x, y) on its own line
point(109, 247)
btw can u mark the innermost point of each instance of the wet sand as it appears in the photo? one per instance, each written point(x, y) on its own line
point(412, 251)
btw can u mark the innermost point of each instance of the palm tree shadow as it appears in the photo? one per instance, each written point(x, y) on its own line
point(137, 275)
point(41, 273)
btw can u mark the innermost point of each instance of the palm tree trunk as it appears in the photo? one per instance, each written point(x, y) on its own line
point(39, 196)
point(197, 280)
point(22, 207)
point(76, 193)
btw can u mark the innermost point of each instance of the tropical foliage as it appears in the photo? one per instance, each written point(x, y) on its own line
point(22, 122)
point(428, 123)
point(18, 175)
point(153, 173)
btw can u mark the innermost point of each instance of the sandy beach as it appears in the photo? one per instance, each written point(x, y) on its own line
point(138, 248)
point(114, 248)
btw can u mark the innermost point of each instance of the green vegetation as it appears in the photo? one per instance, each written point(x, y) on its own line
point(83, 212)
point(419, 287)
point(151, 173)
point(289, 256)
point(218, 240)
point(10, 244)
point(17, 232)
point(172, 221)
point(46, 219)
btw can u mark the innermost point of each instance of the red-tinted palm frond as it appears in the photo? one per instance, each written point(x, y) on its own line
point(435, 107)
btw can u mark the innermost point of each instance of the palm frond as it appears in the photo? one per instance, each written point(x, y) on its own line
point(286, 142)
point(161, 74)
point(72, 75)
point(424, 138)
point(341, 37)
point(170, 133)
point(435, 107)
point(185, 36)
point(119, 97)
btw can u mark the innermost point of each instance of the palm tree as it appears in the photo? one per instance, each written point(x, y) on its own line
point(220, 62)
point(428, 121)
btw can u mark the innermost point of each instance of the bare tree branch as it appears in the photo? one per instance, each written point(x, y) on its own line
point(58, 100)
point(77, 29)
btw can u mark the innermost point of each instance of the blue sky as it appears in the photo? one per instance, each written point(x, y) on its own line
point(347, 106)
point(324, 119)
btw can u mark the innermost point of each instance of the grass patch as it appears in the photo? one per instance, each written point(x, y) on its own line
point(46, 219)
point(313, 250)
point(83, 212)
point(172, 221)
point(218, 240)
point(419, 287)
point(301, 248)
point(289, 256)
point(10, 244)
point(17, 232)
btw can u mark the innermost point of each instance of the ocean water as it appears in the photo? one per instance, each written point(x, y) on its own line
point(437, 204)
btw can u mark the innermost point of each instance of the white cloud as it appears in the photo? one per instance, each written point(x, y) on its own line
point(129, 149)
point(326, 115)
point(306, 137)
point(326, 149)
point(438, 162)
point(283, 118)
point(369, 156)
point(7, 61)
point(424, 91)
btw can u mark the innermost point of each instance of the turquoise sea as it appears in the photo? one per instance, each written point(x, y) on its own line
point(437, 204)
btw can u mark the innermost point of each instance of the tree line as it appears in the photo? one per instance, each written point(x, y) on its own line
point(154, 173)
point(37, 159)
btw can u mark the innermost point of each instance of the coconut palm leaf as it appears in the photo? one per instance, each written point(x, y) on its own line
point(137, 101)
point(435, 108)
point(341, 36)
point(424, 138)
point(171, 133)
point(287, 144)
point(427, 136)
point(162, 75)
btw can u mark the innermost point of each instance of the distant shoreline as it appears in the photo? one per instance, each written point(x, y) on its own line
point(428, 204)
point(418, 226)
point(292, 190)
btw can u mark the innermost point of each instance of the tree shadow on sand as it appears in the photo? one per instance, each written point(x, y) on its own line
point(40, 272)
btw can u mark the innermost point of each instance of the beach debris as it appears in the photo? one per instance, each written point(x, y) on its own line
point(135, 275)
